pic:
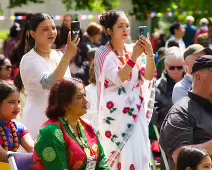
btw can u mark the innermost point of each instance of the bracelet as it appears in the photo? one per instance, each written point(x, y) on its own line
point(65, 62)
point(130, 63)
point(150, 58)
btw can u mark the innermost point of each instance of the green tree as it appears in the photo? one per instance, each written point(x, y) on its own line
point(92, 5)
point(19, 3)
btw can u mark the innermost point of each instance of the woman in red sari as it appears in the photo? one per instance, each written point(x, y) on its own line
point(66, 141)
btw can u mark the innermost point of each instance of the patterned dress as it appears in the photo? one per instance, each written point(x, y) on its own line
point(7, 129)
point(125, 109)
point(58, 148)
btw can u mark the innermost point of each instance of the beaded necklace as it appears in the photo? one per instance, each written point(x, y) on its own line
point(41, 52)
point(81, 139)
point(122, 59)
point(15, 137)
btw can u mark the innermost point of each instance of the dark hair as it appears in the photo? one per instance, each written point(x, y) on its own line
point(63, 36)
point(61, 95)
point(6, 89)
point(34, 22)
point(190, 157)
point(175, 26)
point(15, 29)
point(109, 19)
point(173, 43)
point(19, 50)
point(18, 82)
point(161, 51)
point(2, 60)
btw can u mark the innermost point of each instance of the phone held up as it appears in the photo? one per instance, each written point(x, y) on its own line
point(143, 30)
point(75, 29)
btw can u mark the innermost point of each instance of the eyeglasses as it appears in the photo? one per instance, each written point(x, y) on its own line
point(6, 67)
point(175, 67)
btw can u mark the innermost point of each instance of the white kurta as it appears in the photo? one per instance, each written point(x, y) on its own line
point(32, 68)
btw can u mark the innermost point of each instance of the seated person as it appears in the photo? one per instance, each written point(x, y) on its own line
point(12, 133)
point(66, 141)
point(5, 69)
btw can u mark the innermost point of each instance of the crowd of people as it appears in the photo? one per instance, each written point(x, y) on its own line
point(96, 102)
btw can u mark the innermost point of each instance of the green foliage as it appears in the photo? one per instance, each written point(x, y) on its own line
point(19, 3)
point(142, 7)
point(92, 5)
point(196, 4)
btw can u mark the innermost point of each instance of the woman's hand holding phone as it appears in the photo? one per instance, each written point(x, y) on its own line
point(71, 49)
point(146, 44)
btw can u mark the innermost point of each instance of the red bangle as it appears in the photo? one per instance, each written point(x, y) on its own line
point(130, 63)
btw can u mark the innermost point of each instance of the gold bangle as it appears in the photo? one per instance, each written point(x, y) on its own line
point(150, 58)
point(65, 62)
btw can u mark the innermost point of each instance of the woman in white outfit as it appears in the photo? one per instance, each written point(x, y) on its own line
point(41, 67)
point(123, 74)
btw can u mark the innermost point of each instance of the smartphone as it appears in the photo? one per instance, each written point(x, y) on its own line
point(75, 29)
point(143, 30)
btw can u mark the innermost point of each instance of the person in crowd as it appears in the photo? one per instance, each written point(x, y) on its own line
point(83, 72)
point(5, 68)
point(203, 28)
point(12, 133)
point(67, 21)
point(92, 39)
point(104, 39)
point(41, 67)
point(19, 85)
point(124, 84)
point(14, 37)
point(66, 141)
point(190, 31)
point(177, 33)
point(188, 122)
point(191, 53)
point(173, 73)
point(160, 65)
point(191, 158)
point(63, 38)
point(91, 94)
point(203, 40)
point(17, 52)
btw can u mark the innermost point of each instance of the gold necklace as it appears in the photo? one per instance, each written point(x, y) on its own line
point(41, 52)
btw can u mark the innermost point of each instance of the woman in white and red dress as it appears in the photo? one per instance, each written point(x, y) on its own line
point(124, 77)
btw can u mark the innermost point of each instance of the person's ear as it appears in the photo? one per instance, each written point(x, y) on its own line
point(109, 31)
point(32, 33)
point(166, 66)
point(197, 76)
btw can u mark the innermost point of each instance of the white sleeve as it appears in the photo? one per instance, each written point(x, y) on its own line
point(111, 71)
point(33, 71)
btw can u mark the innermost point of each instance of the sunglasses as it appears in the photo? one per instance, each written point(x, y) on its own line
point(175, 67)
point(6, 67)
